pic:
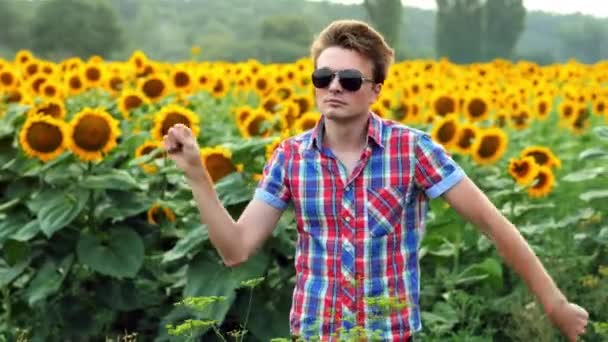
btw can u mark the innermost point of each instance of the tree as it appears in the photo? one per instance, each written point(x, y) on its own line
point(63, 28)
point(585, 38)
point(284, 38)
point(503, 23)
point(458, 30)
point(12, 31)
point(473, 30)
point(386, 16)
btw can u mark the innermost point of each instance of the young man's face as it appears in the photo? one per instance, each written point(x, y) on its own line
point(337, 102)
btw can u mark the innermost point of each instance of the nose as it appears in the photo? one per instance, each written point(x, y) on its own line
point(334, 85)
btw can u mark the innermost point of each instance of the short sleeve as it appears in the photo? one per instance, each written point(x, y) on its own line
point(436, 171)
point(272, 188)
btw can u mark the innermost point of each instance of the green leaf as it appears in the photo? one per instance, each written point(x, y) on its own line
point(603, 235)
point(15, 251)
point(63, 174)
point(120, 255)
point(10, 273)
point(208, 277)
point(233, 189)
point(585, 174)
point(187, 244)
point(9, 204)
point(12, 224)
point(48, 280)
point(593, 194)
point(113, 179)
point(59, 208)
point(593, 153)
point(118, 205)
point(601, 132)
point(127, 295)
point(27, 232)
point(489, 269)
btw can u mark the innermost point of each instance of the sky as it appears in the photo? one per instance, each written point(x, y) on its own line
point(597, 8)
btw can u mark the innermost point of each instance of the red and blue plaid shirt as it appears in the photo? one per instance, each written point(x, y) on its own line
point(358, 234)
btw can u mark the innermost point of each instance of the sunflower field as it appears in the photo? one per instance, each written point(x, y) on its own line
point(100, 236)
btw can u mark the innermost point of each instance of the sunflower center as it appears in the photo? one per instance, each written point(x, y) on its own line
point(444, 105)
point(308, 124)
point(92, 133)
point(402, 112)
point(6, 78)
point(51, 109)
point(181, 79)
point(446, 132)
point(132, 101)
point(44, 137)
point(542, 108)
point(50, 90)
point(254, 126)
point(540, 157)
point(541, 181)
point(600, 107)
point(466, 138)
point(172, 119)
point(261, 84)
point(568, 110)
point(14, 97)
point(153, 88)
point(219, 166)
point(75, 82)
point(521, 168)
point(93, 74)
point(219, 87)
point(38, 83)
point(477, 107)
point(115, 83)
point(489, 146)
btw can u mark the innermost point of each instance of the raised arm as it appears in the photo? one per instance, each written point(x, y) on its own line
point(470, 202)
point(235, 241)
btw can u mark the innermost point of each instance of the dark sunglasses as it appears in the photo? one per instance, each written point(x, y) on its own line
point(350, 79)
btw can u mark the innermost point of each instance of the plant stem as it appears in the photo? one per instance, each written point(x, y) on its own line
point(91, 198)
point(247, 314)
point(7, 304)
point(217, 332)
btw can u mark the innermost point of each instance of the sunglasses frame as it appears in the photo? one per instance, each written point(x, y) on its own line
point(339, 74)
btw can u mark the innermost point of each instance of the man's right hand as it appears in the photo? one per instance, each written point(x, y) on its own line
point(183, 149)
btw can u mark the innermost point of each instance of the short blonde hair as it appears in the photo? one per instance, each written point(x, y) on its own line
point(360, 37)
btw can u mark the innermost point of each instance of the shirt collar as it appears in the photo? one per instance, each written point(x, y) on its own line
point(374, 131)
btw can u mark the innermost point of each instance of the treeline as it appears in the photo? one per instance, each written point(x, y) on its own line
point(281, 30)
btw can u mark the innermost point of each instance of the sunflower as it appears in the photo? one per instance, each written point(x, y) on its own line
point(154, 86)
point(272, 146)
point(443, 104)
point(219, 87)
point(23, 56)
point(403, 112)
point(31, 68)
point(600, 106)
point(174, 114)
point(51, 107)
point(9, 79)
point(17, 95)
point(93, 75)
point(258, 123)
point(305, 103)
point(477, 108)
point(218, 162)
point(523, 170)
point(129, 100)
point(157, 213)
point(51, 89)
point(543, 183)
point(138, 60)
point(181, 79)
point(467, 134)
point(521, 118)
point(145, 148)
point(490, 146)
point(74, 83)
point(306, 122)
point(93, 133)
point(43, 137)
point(566, 111)
point(445, 130)
point(580, 121)
point(271, 104)
point(36, 83)
point(542, 107)
point(542, 155)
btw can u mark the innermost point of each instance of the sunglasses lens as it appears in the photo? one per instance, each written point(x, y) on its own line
point(321, 78)
point(351, 83)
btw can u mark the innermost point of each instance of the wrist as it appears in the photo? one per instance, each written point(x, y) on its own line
point(196, 175)
point(556, 300)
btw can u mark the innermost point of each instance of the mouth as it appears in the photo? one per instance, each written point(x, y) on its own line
point(334, 102)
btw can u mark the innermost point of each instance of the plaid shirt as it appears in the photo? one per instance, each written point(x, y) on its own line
point(358, 234)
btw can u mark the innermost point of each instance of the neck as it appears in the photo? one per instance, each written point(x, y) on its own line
point(346, 136)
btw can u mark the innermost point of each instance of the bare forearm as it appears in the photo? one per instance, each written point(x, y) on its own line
point(521, 258)
point(223, 230)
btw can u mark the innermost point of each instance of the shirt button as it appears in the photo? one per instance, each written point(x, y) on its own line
point(347, 218)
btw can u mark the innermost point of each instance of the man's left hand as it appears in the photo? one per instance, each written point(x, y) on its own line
point(570, 318)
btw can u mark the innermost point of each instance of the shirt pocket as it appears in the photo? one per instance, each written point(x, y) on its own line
point(384, 209)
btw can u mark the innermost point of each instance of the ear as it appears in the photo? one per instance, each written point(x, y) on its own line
point(376, 92)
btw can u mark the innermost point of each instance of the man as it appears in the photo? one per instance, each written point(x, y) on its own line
point(359, 185)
